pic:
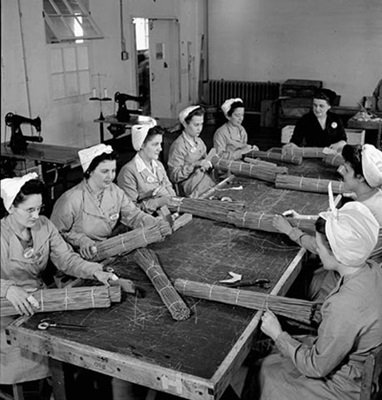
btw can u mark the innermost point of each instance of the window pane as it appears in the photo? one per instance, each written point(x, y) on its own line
point(59, 28)
point(88, 28)
point(69, 59)
point(56, 64)
point(71, 84)
point(82, 57)
point(58, 86)
point(75, 7)
point(48, 8)
point(84, 78)
point(62, 7)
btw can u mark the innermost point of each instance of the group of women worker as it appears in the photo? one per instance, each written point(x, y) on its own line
point(327, 366)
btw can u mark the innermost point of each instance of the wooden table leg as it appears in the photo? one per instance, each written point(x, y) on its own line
point(58, 378)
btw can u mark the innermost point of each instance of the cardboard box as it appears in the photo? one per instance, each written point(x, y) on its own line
point(355, 136)
point(286, 133)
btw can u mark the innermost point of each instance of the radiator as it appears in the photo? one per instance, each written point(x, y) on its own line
point(252, 93)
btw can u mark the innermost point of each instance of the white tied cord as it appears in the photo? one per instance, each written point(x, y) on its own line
point(245, 213)
point(179, 205)
point(144, 237)
point(123, 244)
point(265, 307)
point(237, 295)
point(301, 182)
point(210, 293)
point(261, 216)
point(184, 285)
point(318, 183)
point(66, 299)
point(229, 165)
point(41, 301)
point(92, 296)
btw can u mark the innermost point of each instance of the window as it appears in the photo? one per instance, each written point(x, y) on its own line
point(69, 70)
point(69, 21)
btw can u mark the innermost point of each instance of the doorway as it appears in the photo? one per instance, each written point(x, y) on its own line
point(158, 65)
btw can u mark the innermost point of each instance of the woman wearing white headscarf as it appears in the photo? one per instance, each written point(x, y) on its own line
point(231, 139)
point(144, 178)
point(28, 241)
point(89, 212)
point(187, 165)
point(330, 366)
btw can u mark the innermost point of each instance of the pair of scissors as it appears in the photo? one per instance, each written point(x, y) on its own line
point(46, 324)
point(261, 282)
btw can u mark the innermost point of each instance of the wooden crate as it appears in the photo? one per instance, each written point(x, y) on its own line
point(355, 136)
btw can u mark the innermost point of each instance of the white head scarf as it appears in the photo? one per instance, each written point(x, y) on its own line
point(352, 231)
point(89, 154)
point(226, 106)
point(372, 165)
point(10, 187)
point(139, 133)
point(185, 113)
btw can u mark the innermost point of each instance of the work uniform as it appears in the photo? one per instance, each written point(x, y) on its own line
point(330, 366)
point(77, 213)
point(19, 365)
point(308, 131)
point(139, 182)
point(229, 141)
point(192, 181)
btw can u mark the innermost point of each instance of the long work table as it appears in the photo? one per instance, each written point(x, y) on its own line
point(137, 340)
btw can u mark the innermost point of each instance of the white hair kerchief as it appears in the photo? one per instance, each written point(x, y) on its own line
point(352, 232)
point(185, 113)
point(226, 106)
point(88, 155)
point(10, 187)
point(372, 165)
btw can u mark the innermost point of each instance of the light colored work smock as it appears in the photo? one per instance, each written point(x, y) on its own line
point(192, 181)
point(330, 366)
point(139, 182)
point(77, 213)
point(18, 365)
point(229, 141)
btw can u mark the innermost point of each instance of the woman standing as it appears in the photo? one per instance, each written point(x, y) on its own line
point(89, 212)
point(231, 139)
point(186, 163)
point(28, 240)
point(330, 366)
point(320, 127)
point(144, 178)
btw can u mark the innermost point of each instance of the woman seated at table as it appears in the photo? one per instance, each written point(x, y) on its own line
point(231, 139)
point(362, 175)
point(89, 212)
point(187, 165)
point(330, 366)
point(144, 178)
point(319, 127)
point(28, 241)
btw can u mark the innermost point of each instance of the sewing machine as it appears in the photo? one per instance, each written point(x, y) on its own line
point(123, 114)
point(18, 142)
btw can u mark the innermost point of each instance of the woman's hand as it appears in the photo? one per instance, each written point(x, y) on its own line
point(22, 300)
point(282, 224)
point(337, 146)
point(247, 148)
point(205, 165)
point(270, 325)
point(164, 227)
point(288, 147)
point(88, 248)
point(105, 277)
point(160, 191)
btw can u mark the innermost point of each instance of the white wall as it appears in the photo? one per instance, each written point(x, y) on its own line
point(336, 41)
point(69, 122)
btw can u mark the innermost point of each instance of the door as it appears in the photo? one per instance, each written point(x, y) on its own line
point(164, 67)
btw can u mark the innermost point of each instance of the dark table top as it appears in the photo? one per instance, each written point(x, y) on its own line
point(138, 337)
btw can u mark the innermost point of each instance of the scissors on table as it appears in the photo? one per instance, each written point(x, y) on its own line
point(46, 324)
point(261, 282)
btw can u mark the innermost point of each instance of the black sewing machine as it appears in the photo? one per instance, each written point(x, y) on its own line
point(123, 113)
point(18, 142)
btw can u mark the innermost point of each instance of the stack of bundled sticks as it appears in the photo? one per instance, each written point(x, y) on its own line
point(264, 171)
point(303, 184)
point(261, 221)
point(127, 242)
point(334, 159)
point(299, 310)
point(78, 298)
point(211, 209)
point(275, 156)
point(148, 261)
point(305, 152)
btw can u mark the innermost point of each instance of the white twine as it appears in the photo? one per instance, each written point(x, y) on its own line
point(261, 216)
point(210, 294)
point(301, 182)
point(41, 301)
point(123, 244)
point(92, 296)
point(244, 217)
point(184, 285)
point(179, 204)
point(229, 165)
point(237, 295)
point(318, 182)
point(144, 237)
point(66, 299)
